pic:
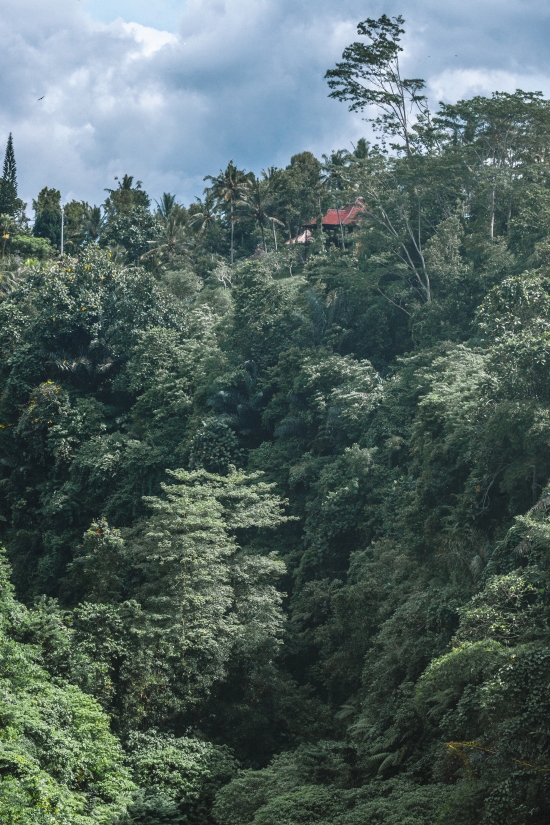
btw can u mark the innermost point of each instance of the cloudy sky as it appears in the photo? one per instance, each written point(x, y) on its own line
point(170, 90)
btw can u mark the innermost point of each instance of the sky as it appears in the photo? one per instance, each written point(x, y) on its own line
point(171, 90)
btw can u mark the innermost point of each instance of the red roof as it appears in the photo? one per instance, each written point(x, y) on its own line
point(347, 215)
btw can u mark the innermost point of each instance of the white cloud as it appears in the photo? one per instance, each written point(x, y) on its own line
point(149, 39)
point(461, 84)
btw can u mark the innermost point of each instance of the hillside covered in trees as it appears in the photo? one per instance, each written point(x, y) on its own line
point(274, 496)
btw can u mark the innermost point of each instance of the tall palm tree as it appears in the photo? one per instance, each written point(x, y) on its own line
point(166, 205)
point(272, 177)
point(173, 237)
point(170, 212)
point(226, 188)
point(173, 240)
point(204, 212)
point(256, 201)
point(335, 170)
point(335, 176)
point(93, 223)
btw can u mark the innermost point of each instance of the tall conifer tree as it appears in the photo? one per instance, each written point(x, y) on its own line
point(8, 182)
point(9, 172)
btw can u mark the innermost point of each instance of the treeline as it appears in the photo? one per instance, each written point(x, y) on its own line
point(238, 214)
point(277, 514)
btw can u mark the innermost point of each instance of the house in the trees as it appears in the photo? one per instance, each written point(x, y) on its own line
point(339, 223)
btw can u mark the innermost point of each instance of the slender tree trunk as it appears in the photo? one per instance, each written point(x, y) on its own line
point(274, 234)
point(402, 110)
point(341, 227)
point(263, 237)
point(492, 214)
point(232, 230)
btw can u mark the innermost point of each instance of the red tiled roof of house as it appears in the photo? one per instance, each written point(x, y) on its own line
point(348, 215)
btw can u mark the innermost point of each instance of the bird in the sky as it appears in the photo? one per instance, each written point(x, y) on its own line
point(42, 98)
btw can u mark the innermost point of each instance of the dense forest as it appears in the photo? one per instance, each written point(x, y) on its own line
point(274, 490)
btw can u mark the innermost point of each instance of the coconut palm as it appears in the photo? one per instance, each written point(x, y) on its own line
point(335, 170)
point(166, 206)
point(172, 240)
point(335, 177)
point(226, 188)
point(173, 237)
point(204, 212)
point(256, 202)
point(93, 224)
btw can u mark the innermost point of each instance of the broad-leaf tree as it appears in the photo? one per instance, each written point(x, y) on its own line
point(369, 74)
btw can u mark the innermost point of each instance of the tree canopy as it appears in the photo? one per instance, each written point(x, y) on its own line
point(275, 482)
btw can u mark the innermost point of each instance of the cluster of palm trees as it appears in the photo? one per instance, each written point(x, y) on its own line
point(247, 197)
point(238, 194)
point(242, 196)
point(227, 188)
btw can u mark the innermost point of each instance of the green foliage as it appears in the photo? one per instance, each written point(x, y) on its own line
point(77, 326)
point(206, 597)
point(193, 598)
point(304, 805)
point(134, 231)
point(279, 794)
point(126, 197)
point(47, 221)
point(360, 617)
point(9, 202)
point(9, 170)
point(214, 447)
point(82, 225)
point(300, 193)
point(179, 777)
point(289, 789)
point(264, 320)
point(99, 565)
point(29, 247)
point(60, 763)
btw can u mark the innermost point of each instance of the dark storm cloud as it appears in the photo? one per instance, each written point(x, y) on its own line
point(240, 79)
